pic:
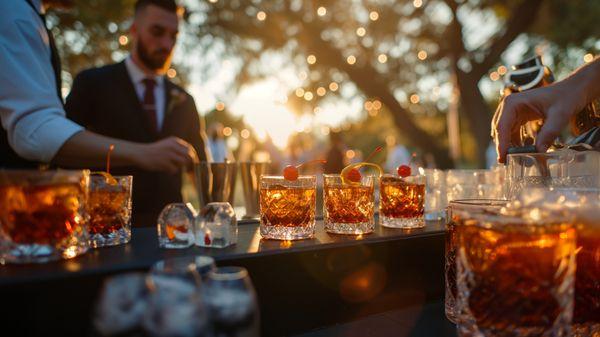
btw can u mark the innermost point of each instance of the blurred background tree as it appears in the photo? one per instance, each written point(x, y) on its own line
point(425, 66)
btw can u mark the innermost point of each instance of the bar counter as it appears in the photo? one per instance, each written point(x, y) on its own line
point(330, 285)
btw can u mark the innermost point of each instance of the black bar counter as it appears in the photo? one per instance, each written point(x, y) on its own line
point(304, 287)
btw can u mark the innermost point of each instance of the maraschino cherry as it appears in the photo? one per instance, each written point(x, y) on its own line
point(290, 172)
point(404, 171)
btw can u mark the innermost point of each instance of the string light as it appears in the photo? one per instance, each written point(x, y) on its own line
point(311, 59)
point(227, 131)
point(502, 70)
point(494, 76)
point(123, 40)
point(373, 112)
point(373, 16)
point(261, 16)
point(308, 96)
point(414, 99)
point(213, 1)
point(351, 59)
point(333, 86)
point(350, 154)
point(220, 106)
point(417, 3)
point(376, 104)
point(587, 58)
point(382, 58)
point(171, 73)
point(303, 75)
point(245, 134)
point(361, 31)
point(321, 11)
point(422, 55)
point(321, 91)
point(368, 105)
point(300, 92)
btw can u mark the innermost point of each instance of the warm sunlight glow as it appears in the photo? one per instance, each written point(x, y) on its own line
point(263, 115)
point(414, 98)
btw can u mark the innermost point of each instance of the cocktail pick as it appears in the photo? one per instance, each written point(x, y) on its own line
point(290, 172)
point(109, 178)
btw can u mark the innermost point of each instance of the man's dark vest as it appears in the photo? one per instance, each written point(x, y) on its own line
point(8, 157)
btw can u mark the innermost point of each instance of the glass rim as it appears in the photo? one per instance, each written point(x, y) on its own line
point(25, 177)
point(478, 202)
point(281, 177)
point(228, 273)
point(336, 175)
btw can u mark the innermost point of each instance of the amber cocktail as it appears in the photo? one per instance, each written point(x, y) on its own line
point(586, 317)
point(42, 215)
point(457, 211)
point(515, 275)
point(402, 201)
point(287, 207)
point(109, 209)
point(348, 207)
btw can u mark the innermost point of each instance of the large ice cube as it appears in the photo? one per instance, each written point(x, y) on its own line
point(216, 226)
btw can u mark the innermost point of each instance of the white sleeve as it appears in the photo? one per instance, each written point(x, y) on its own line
point(30, 110)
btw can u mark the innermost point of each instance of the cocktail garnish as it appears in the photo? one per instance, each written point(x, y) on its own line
point(351, 175)
point(107, 176)
point(404, 171)
point(290, 172)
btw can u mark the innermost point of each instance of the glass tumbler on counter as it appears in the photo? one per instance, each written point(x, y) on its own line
point(287, 208)
point(231, 303)
point(109, 210)
point(402, 201)
point(42, 215)
point(457, 212)
point(435, 193)
point(516, 274)
point(348, 207)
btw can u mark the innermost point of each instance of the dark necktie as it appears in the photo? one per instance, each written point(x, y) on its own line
point(149, 104)
point(54, 58)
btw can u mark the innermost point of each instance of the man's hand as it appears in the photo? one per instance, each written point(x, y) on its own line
point(168, 155)
point(554, 104)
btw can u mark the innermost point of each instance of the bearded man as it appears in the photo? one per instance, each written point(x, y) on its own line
point(133, 100)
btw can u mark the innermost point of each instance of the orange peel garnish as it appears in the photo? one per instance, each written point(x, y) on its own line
point(350, 167)
point(107, 176)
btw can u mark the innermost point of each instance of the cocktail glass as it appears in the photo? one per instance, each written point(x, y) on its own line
point(348, 207)
point(109, 209)
point(401, 203)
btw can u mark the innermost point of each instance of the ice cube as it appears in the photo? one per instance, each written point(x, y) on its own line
point(175, 226)
point(216, 226)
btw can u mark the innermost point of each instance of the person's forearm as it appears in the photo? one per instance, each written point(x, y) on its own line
point(585, 80)
point(87, 149)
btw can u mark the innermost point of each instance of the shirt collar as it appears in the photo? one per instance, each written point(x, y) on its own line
point(137, 75)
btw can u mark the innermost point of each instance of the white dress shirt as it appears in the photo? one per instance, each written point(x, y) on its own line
point(137, 77)
point(30, 111)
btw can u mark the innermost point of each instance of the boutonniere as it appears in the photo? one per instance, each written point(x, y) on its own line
point(176, 97)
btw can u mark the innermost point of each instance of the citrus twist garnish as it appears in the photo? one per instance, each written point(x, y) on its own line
point(107, 176)
point(351, 175)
